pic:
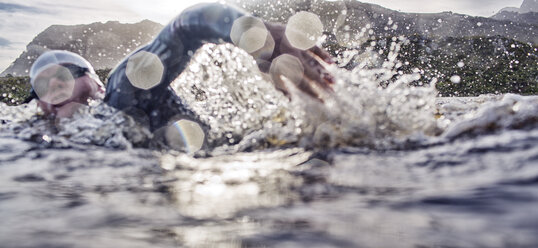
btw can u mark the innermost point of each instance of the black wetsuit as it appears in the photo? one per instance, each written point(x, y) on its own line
point(175, 44)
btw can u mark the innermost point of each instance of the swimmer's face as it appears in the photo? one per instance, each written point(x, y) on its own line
point(61, 89)
point(55, 85)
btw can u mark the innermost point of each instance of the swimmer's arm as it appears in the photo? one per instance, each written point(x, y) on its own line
point(178, 41)
point(174, 46)
point(313, 60)
point(213, 23)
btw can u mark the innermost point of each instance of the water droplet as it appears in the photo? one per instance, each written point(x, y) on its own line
point(54, 85)
point(185, 135)
point(332, 13)
point(303, 30)
point(250, 34)
point(287, 66)
point(144, 70)
point(455, 79)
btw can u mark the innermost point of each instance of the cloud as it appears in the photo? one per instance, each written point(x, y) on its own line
point(4, 42)
point(162, 12)
point(21, 23)
point(12, 7)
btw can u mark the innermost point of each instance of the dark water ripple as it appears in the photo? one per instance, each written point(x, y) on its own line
point(478, 192)
point(472, 187)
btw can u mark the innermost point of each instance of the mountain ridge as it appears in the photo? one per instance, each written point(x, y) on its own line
point(386, 22)
point(103, 44)
point(527, 13)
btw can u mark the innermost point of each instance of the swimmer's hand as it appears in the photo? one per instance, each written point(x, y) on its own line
point(306, 69)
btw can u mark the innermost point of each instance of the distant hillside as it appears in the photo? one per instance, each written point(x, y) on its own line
point(487, 55)
point(387, 23)
point(529, 17)
point(509, 9)
point(482, 65)
point(527, 13)
point(103, 44)
point(529, 6)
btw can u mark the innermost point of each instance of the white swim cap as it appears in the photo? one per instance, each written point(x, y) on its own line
point(58, 57)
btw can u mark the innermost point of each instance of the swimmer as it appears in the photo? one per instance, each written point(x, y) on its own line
point(62, 81)
point(141, 81)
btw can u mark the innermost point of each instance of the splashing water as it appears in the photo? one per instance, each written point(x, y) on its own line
point(96, 124)
point(470, 183)
point(224, 87)
point(373, 105)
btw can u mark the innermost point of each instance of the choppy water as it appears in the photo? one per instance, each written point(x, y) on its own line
point(368, 167)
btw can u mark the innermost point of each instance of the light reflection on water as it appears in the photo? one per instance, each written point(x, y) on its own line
point(205, 189)
point(472, 192)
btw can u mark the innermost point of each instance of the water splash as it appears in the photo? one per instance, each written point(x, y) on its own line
point(373, 105)
point(224, 87)
point(511, 112)
point(97, 124)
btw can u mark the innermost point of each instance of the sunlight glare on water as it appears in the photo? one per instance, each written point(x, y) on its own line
point(239, 181)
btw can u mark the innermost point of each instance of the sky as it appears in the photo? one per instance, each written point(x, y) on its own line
point(22, 20)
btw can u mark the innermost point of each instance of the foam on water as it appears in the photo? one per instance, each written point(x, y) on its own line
point(511, 112)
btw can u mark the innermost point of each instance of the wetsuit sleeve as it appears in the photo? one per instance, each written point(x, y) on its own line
point(174, 46)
